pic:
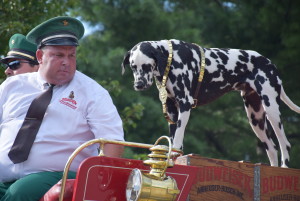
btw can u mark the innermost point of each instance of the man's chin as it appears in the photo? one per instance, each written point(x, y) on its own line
point(60, 80)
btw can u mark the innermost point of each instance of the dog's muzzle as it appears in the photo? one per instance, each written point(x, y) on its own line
point(141, 84)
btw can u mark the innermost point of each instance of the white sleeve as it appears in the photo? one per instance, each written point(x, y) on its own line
point(103, 117)
point(2, 100)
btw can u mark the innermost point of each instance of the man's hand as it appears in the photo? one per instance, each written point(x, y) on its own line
point(113, 150)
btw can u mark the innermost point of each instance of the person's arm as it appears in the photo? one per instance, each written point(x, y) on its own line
point(113, 150)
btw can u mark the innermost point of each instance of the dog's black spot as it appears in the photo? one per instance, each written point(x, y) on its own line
point(287, 162)
point(216, 74)
point(262, 121)
point(254, 120)
point(177, 65)
point(261, 124)
point(276, 146)
point(258, 122)
point(146, 68)
point(240, 68)
point(266, 100)
point(226, 50)
point(288, 148)
point(187, 82)
point(223, 57)
point(271, 72)
point(147, 49)
point(184, 52)
point(185, 106)
point(268, 133)
point(251, 76)
point(171, 109)
point(265, 146)
point(258, 81)
point(179, 90)
point(279, 125)
point(207, 62)
point(244, 57)
point(213, 55)
point(172, 129)
point(172, 77)
point(261, 61)
point(178, 123)
point(221, 68)
point(212, 89)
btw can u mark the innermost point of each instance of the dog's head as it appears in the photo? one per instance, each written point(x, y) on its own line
point(146, 59)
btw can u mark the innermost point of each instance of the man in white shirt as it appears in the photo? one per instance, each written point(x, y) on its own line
point(20, 57)
point(80, 110)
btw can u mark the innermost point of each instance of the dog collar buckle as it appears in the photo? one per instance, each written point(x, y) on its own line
point(195, 103)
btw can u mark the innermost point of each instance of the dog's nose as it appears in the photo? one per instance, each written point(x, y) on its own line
point(139, 85)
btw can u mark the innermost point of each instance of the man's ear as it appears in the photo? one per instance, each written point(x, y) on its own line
point(39, 55)
point(125, 61)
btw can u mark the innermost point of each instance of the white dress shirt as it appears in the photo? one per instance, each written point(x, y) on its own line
point(79, 111)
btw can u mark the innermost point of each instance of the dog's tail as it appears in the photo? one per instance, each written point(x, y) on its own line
point(288, 101)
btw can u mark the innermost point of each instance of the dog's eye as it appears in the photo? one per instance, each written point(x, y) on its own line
point(147, 67)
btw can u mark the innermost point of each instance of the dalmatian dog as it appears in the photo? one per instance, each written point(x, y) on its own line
point(255, 76)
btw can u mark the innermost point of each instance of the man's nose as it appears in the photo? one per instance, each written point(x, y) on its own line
point(8, 72)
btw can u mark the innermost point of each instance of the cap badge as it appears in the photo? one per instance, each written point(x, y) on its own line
point(12, 42)
point(65, 22)
point(71, 96)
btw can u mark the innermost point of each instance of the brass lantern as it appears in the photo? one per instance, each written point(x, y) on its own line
point(155, 185)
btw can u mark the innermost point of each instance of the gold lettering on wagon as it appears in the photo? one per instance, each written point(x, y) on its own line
point(227, 175)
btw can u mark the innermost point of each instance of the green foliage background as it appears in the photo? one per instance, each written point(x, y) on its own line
point(218, 130)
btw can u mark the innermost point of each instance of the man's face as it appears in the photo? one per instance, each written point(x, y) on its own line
point(19, 66)
point(57, 63)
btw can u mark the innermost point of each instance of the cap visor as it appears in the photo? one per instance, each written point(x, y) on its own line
point(60, 42)
point(6, 59)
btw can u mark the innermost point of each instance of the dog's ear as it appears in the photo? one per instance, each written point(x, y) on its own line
point(160, 61)
point(125, 61)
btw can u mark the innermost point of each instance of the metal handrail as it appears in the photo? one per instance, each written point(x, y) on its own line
point(102, 142)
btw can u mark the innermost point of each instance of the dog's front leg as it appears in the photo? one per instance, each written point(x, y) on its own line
point(183, 118)
point(172, 112)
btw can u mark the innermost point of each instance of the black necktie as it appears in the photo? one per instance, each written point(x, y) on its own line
point(20, 150)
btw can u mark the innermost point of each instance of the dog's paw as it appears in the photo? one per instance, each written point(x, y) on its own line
point(174, 155)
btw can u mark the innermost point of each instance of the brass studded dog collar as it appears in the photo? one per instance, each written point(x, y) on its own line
point(162, 86)
point(163, 94)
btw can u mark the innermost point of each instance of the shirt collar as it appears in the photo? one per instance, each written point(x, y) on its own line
point(41, 82)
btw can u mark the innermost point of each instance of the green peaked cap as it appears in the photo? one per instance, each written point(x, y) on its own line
point(20, 48)
point(62, 30)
